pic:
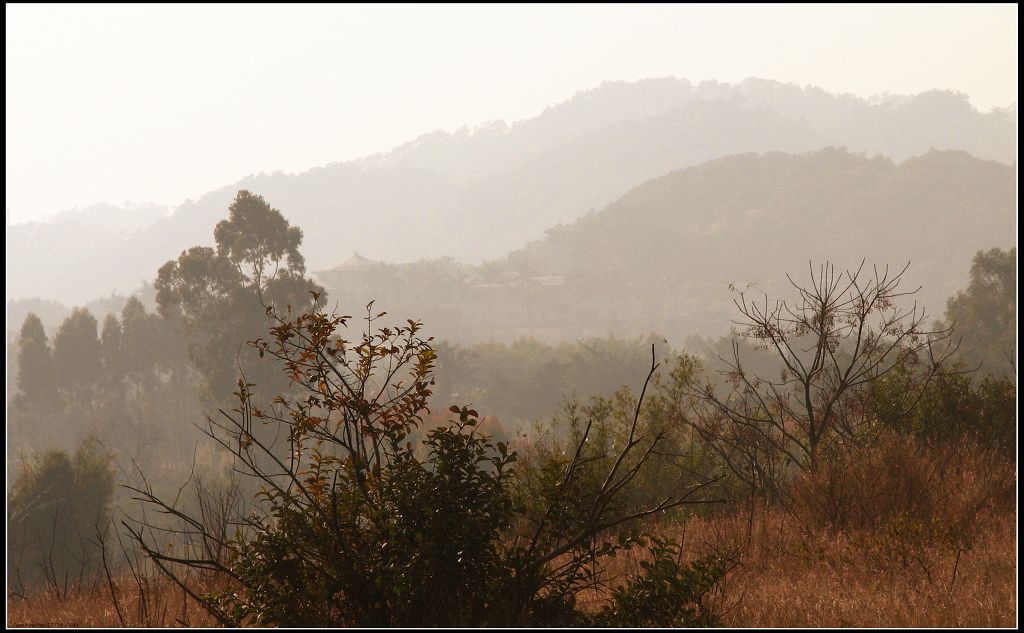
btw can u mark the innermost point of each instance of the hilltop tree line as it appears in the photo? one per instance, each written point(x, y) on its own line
point(484, 192)
point(140, 370)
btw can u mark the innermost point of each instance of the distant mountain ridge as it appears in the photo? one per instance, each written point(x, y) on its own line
point(126, 218)
point(477, 195)
point(661, 258)
point(682, 238)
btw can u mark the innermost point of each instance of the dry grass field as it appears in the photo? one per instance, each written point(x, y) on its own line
point(784, 578)
point(155, 602)
point(929, 540)
point(788, 579)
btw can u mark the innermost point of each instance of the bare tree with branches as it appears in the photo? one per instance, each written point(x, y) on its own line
point(843, 332)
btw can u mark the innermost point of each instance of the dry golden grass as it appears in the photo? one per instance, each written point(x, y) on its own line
point(790, 579)
point(939, 551)
point(785, 578)
point(935, 513)
point(158, 603)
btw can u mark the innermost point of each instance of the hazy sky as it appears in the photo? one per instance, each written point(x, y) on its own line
point(162, 103)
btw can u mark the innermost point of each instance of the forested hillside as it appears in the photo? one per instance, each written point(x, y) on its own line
point(479, 193)
point(661, 257)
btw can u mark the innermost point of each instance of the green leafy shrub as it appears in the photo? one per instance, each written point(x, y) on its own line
point(952, 404)
point(418, 548)
point(358, 526)
point(54, 510)
point(669, 593)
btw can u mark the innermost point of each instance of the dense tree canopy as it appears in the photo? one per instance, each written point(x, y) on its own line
point(112, 342)
point(256, 237)
point(35, 367)
point(986, 313)
point(77, 353)
point(54, 508)
point(220, 295)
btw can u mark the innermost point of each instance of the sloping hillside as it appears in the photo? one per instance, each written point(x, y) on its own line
point(680, 239)
point(476, 195)
point(661, 257)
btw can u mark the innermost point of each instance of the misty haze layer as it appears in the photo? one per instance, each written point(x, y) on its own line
point(478, 195)
point(661, 258)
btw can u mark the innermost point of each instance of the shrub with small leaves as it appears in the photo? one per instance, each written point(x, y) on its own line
point(359, 524)
point(668, 593)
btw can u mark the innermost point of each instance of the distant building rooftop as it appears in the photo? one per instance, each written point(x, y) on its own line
point(356, 262)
